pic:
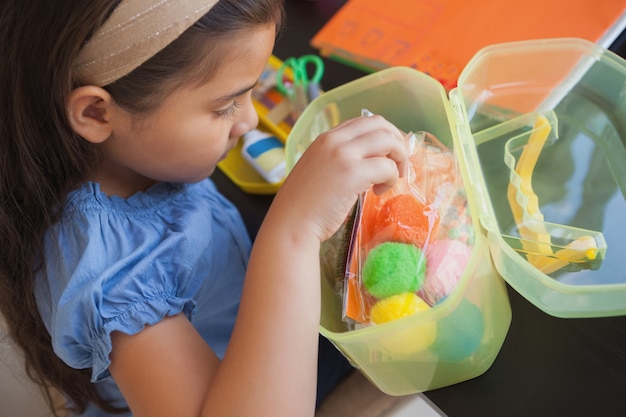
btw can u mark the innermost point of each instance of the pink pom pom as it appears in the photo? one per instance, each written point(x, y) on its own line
point(446, 260)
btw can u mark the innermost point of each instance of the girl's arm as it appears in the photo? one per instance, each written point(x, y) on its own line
point(270, 365)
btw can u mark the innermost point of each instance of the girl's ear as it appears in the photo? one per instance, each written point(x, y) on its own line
point(89, 111)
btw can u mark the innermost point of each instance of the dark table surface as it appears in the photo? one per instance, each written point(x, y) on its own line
point(547, 366)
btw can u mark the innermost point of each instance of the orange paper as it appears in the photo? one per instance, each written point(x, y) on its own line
point(438, 37)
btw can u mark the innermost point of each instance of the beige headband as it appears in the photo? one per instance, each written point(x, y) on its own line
point(135, 31)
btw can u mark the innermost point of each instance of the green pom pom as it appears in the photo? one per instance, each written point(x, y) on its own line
point(392, 268)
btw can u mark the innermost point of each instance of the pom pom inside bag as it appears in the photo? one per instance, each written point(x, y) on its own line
point(410, 245)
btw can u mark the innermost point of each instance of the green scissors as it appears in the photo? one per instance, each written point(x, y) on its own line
point(302, 88)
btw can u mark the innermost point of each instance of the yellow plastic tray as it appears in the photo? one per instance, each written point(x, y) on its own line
point(243, 175)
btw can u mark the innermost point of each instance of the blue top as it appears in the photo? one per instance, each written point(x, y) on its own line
point(116, 264)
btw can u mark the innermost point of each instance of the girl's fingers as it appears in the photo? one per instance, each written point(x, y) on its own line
point(384, 173)
point(339, 165)
point(385, 141)
point(361, 126)
point(369, 150)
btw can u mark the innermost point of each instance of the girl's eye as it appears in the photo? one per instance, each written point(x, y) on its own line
point(229, 111)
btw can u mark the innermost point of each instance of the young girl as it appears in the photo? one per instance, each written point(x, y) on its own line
point(122, 268)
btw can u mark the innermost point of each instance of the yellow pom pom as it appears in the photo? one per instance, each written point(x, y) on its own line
point(411, 338)
point(397, 306)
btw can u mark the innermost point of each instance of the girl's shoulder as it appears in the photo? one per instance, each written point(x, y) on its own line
point(157, 200)
point(187, 218)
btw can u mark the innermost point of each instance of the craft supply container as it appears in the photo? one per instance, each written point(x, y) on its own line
point(579, 181)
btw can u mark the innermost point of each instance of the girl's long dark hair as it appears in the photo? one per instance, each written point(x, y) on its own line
point(42, 159)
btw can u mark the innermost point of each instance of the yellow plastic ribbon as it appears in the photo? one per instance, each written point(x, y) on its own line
point(535, 238)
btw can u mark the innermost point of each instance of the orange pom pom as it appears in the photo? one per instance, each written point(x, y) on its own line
point(403, 218)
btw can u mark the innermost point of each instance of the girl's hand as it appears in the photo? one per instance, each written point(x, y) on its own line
point(339, 165)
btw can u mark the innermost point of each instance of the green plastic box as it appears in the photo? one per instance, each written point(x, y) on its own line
point(578, 192)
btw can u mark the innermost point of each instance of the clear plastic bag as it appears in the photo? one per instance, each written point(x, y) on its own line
point(410, 245)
